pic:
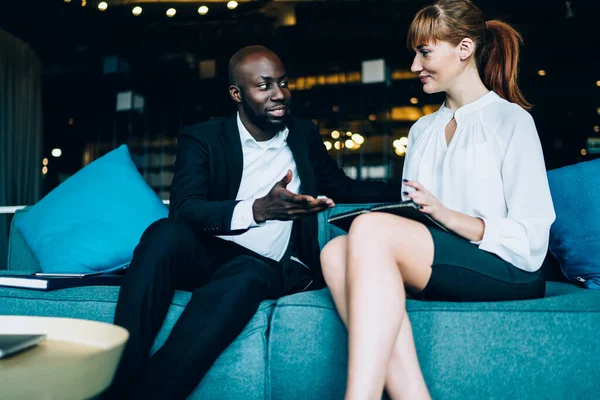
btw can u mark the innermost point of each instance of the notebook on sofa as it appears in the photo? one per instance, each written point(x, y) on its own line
point(407, 209)
point(57, 281)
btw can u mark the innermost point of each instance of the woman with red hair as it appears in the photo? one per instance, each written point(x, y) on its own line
point(476, 166)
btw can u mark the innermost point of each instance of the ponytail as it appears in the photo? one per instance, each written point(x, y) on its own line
point(500, 62)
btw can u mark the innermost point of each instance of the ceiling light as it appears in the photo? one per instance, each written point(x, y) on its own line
point(44, 170)
point(56, 152)
point(541, 72)
point(358, 138)
point(102, 6)
point(202, 10)
point(45, 161)
point(67, 1)
point(171, 12)
point(232, 4)
point(335, 134)
point(598, 83)
point(136, 10)
point(414, 100)
point(328, 145)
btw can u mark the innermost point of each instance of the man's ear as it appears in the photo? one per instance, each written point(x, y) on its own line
point(235, 93)
point(466, 47)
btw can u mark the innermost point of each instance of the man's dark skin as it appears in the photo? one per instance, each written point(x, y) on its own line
point(259, 86)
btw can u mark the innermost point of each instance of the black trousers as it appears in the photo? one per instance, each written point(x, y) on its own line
point(228, 283)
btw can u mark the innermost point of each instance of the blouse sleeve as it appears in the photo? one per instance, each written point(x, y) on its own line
point(522, 237)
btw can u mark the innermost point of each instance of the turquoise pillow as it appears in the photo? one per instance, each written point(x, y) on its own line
point(92, 221)
point(575, 235)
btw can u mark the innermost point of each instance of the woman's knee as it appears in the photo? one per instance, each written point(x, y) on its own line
point(371, 224)
point(381, 229)
point(333, 256)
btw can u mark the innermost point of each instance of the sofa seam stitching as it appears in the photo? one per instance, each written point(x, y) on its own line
point(458, 310)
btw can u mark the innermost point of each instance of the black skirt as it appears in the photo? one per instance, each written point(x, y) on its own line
point(463, 272)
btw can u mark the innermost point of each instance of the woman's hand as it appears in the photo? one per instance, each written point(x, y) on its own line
point(427, 202)
point(464, 225)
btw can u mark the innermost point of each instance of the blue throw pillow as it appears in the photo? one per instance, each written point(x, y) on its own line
point(575, 235)
point(92, 221)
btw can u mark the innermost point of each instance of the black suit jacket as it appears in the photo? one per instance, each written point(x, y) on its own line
point(208, 172)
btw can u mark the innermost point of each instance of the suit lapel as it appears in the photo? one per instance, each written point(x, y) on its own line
point(233, 155)
point(297, 142)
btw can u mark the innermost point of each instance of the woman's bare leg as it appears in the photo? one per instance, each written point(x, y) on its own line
point(402, 374)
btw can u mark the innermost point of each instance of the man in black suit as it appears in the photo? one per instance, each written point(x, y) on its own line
point(242, 228)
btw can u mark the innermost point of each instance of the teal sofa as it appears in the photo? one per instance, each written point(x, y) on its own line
point(296, 347)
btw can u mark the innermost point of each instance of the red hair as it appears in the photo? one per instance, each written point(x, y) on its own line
point(496, 42)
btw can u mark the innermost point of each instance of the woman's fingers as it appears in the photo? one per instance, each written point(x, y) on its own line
point(419, 198)
point(413, 184)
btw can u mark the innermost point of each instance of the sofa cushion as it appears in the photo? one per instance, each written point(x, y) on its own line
point(20, 256)
point(238, 373)
point(533, 349)
point(93, 221)
point(574, 235)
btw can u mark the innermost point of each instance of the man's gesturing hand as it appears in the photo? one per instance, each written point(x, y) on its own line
point(283, 205)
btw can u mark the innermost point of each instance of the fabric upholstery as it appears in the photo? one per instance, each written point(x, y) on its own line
point(574, 235)
point(92, 221)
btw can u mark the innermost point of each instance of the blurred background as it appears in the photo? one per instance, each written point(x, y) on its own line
point(78, 78)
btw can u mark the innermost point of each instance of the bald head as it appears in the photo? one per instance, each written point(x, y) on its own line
point(248, 53)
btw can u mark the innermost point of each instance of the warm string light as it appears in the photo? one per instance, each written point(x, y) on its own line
point(400, 146)
point(353, 141)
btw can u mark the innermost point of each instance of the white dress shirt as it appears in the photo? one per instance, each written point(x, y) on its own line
point(493, 168)
point(265, 163)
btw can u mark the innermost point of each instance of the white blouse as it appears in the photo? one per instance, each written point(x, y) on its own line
point(493, 168)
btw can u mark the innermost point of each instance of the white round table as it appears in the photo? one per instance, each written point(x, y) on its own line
point(77, 360)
